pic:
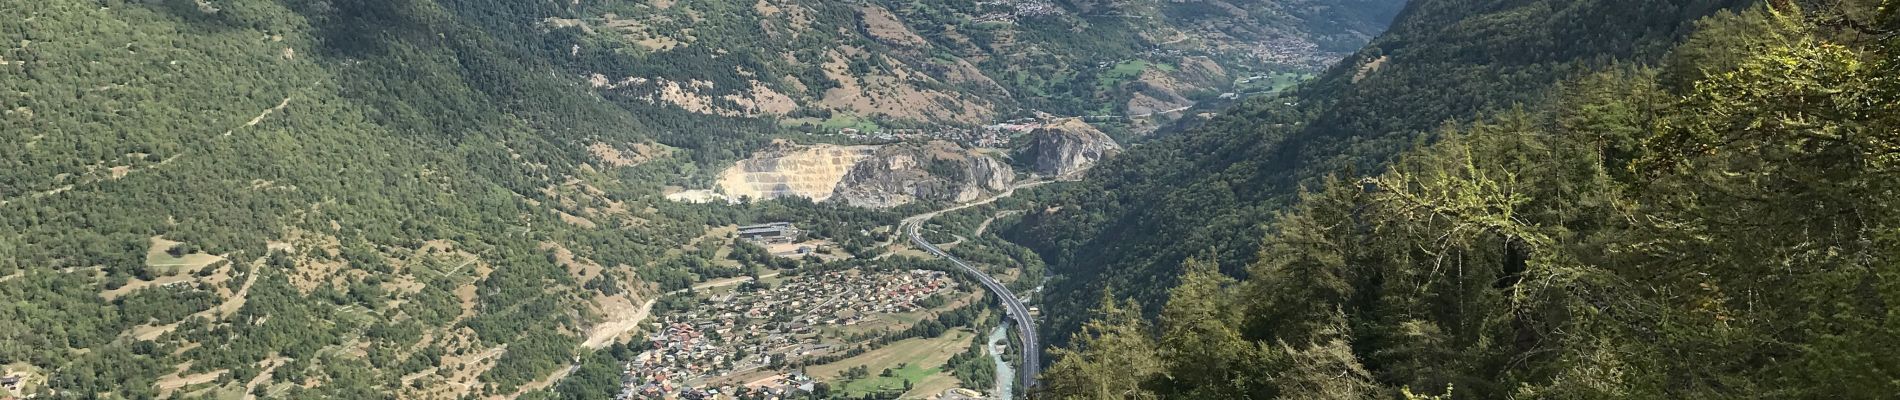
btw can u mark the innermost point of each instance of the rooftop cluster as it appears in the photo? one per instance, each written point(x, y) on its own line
point(758, 328)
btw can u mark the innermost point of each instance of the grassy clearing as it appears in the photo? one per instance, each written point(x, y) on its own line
point(136, 285)
point(459, 267)
point(905, 250)
point(1126, 71)
point(722, 235)
point(177, 380)
point(162, 261)
point(1270, 83)
point(932, 385)
point(231, 391)
point(722, 257)
point(895, 382)
point(916, 360)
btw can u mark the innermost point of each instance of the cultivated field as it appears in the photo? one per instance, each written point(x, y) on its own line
point(918, 360)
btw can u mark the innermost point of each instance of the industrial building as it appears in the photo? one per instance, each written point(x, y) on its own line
point(772, 233)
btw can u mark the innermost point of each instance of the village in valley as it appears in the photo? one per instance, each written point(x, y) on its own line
point(791, 333)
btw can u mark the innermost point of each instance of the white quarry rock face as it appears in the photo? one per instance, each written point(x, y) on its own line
point(1069, 147)
point(868, 176)
point(811, 172)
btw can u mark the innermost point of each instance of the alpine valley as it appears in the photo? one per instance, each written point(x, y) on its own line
point(949, 199)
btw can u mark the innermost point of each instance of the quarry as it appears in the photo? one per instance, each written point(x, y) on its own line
point(890, 175)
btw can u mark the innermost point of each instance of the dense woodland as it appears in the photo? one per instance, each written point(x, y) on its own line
point(1210, 192)
point(1715, 222)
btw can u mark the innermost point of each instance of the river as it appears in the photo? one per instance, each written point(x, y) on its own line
point(1005, 375)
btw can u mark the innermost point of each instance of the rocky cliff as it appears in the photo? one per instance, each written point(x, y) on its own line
point(1068, 147)
point(934, 171)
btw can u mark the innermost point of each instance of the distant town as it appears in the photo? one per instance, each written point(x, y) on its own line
point(1013, 10)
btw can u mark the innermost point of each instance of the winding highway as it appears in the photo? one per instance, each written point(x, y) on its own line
point(1013, 306)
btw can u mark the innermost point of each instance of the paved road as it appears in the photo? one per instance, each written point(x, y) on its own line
point(1025, 326)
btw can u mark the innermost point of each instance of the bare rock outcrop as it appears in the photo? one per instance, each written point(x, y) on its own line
point(935, 171)
point(1068, 147)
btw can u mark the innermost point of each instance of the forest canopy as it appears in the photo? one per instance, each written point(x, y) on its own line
point(1718, 225)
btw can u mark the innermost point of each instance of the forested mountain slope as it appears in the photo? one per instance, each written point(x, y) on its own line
point(1209, 192)
point(235, 190)
point(315, 199)
point(1714, 221)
